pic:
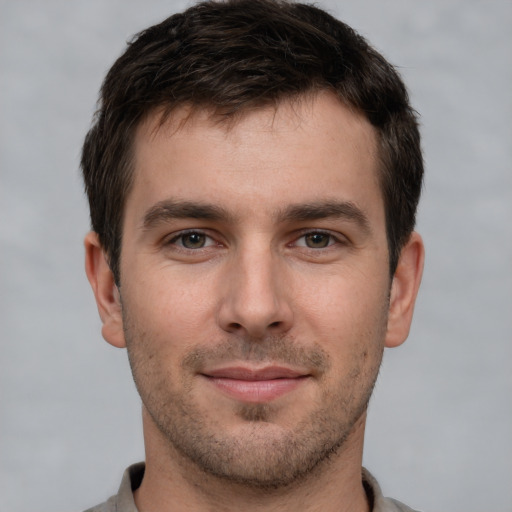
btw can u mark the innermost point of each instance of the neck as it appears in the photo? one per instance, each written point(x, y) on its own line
point(174, 484)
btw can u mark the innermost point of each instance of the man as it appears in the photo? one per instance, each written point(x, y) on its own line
point(253, 174)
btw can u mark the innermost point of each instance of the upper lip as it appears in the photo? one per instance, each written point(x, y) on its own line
point(254, 374)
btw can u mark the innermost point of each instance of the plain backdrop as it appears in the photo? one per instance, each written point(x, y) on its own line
point(440, 425)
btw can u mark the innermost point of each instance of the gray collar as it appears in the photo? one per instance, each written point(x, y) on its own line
point(132, 478)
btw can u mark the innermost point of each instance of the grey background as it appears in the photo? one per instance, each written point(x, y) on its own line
point(440, 423)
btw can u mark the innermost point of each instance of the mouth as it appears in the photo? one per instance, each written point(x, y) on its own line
point(255, 385)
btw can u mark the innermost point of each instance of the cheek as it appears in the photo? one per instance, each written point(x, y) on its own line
point(348, 317)
point(169, 308)
point(343, 301)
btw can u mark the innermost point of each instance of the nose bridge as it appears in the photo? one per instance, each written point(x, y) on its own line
point(256, 298)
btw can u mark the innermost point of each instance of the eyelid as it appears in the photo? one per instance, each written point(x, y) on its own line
point(173, 238)
point(337, 237)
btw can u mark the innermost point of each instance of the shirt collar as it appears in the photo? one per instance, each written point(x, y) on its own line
point(132, 479)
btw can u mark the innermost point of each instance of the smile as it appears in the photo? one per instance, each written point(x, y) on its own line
point(255, 386)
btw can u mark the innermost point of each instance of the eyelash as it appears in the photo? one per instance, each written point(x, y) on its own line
point(332, 240)
point(182, 234)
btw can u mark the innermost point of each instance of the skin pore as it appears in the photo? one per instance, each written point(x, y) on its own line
point(255, 304)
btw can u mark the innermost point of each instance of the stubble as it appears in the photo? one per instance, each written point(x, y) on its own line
point(265, 455)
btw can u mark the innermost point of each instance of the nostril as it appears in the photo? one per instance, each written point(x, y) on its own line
point(275, 324)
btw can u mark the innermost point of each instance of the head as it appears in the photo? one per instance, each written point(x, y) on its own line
point(253, 174)
point(229, 58)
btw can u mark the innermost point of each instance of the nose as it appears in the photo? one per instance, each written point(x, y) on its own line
point(255, 303)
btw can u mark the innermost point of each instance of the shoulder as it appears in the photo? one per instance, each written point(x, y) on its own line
point(123, 501)
point(107, 506)
point(391, 505)
point(379, 502)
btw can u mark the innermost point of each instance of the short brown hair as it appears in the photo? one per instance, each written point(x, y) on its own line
point(231, 56)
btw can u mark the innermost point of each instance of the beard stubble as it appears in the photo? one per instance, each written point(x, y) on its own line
point(264, 455)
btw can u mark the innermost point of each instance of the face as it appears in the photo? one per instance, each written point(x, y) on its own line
point(255, 286)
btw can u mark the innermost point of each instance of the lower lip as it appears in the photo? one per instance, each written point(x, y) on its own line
point(256, 391)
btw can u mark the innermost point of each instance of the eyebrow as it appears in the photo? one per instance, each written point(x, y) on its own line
point(169, 209)
point(325, 210)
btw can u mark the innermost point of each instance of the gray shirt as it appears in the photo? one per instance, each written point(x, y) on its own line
point(132, 478)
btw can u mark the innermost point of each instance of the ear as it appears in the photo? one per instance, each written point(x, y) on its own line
point(105, 291)
point(404, 290)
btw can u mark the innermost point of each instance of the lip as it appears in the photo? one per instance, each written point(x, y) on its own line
point(255, 385)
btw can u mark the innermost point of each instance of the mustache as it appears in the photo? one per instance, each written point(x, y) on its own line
point(282, 350)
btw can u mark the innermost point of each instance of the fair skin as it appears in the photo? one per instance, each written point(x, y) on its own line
point(255, 303)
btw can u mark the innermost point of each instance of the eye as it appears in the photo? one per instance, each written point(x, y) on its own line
point(192, 240)
point(316, 240)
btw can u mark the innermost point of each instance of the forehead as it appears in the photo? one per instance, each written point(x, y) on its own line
point(306, 149)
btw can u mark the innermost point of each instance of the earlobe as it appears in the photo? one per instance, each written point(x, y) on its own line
point(404, 290)
point(105, 291)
